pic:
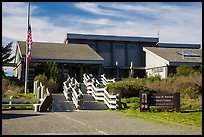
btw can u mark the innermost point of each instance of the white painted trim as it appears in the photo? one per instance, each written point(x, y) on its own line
point(146, 68)
point(157, 56)
point(19, 50)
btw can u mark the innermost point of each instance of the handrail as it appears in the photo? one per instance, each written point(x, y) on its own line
point(105, 80)
point(100, 93)
point(72, 92)
point(20, 100)
point(40, 91)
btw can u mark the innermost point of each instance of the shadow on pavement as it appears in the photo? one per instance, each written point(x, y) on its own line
point(10, 116)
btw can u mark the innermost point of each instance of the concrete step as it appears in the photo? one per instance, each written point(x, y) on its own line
point(83, 88)
point(59, 104)
point(87, 97)
point(94, 105)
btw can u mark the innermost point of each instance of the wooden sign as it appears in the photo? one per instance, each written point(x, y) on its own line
point(157, 99)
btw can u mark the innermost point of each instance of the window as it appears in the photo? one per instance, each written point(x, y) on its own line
point(188, 53)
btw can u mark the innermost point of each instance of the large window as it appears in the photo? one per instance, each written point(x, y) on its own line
point(119, 53)
point(104, 50)
point(133, 54)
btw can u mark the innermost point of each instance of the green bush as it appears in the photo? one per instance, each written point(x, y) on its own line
point(191, 92)
point(48, 83)
point(191, 104)
point(132, 102)
point(154, 78)
point(11, 86)
point(126, 89)
point(49, 69)
point(186, 70)
point(15, 81)
point(5, 83)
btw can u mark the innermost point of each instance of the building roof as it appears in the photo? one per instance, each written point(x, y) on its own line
point(112, 38)
point(60, 52)
point(171, 54)
point(178, 45)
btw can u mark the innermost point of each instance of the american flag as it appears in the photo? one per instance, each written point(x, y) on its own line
point(29, 43)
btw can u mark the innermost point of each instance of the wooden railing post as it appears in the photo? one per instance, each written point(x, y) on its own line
point(38, 93)
point(10, 102)
point(118, 101)
point(42, 92)
point(35, 86)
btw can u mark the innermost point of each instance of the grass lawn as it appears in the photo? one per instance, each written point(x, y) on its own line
point(20, 96)
point(191, 112)
point(189, 118)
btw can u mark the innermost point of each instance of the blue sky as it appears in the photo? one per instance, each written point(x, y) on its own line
point(178, 22)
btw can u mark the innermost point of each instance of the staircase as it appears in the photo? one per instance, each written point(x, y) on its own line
point(89, 102)
point(59, 104)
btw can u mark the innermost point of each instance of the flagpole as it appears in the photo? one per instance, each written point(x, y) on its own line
point(26, 58)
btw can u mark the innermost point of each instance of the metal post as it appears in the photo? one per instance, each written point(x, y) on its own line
point(26, 60)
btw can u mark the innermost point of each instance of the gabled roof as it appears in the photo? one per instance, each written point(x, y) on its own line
point(171, 55)
point(60, 52)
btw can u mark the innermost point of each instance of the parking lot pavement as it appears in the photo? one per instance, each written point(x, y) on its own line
point(83, 122)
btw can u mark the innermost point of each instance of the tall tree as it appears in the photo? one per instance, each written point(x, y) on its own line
point(6, 53)
point(49, 69)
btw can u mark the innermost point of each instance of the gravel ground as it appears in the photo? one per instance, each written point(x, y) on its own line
point(85, 122)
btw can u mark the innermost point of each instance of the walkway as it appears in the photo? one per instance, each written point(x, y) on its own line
point(84, 122)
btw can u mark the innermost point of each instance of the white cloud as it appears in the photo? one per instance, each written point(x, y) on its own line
point(178, 24)
point(95, 9)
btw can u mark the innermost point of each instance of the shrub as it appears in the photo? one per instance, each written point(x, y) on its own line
point(185, 70)
point(48, 83)
point(154, 78)
point(10, 86)
point(14, 89)
point(190, 92)
point(15, 81)
point(49, 69)
point(191, 104)
point(5, 83)
point(126, 89)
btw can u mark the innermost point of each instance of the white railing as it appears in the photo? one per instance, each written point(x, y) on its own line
point(39, 90)
point(104, 80)
point(100, 93)
point(40, 94)
point(72, 92)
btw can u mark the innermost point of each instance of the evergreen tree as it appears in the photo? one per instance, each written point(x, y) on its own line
point(6, 53)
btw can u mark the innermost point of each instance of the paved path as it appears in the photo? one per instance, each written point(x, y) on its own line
point(84, 122)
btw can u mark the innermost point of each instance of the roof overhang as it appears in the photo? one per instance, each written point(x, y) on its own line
point(35, 60)
point(178, 45)
point(112, 38)
point(185, 63)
